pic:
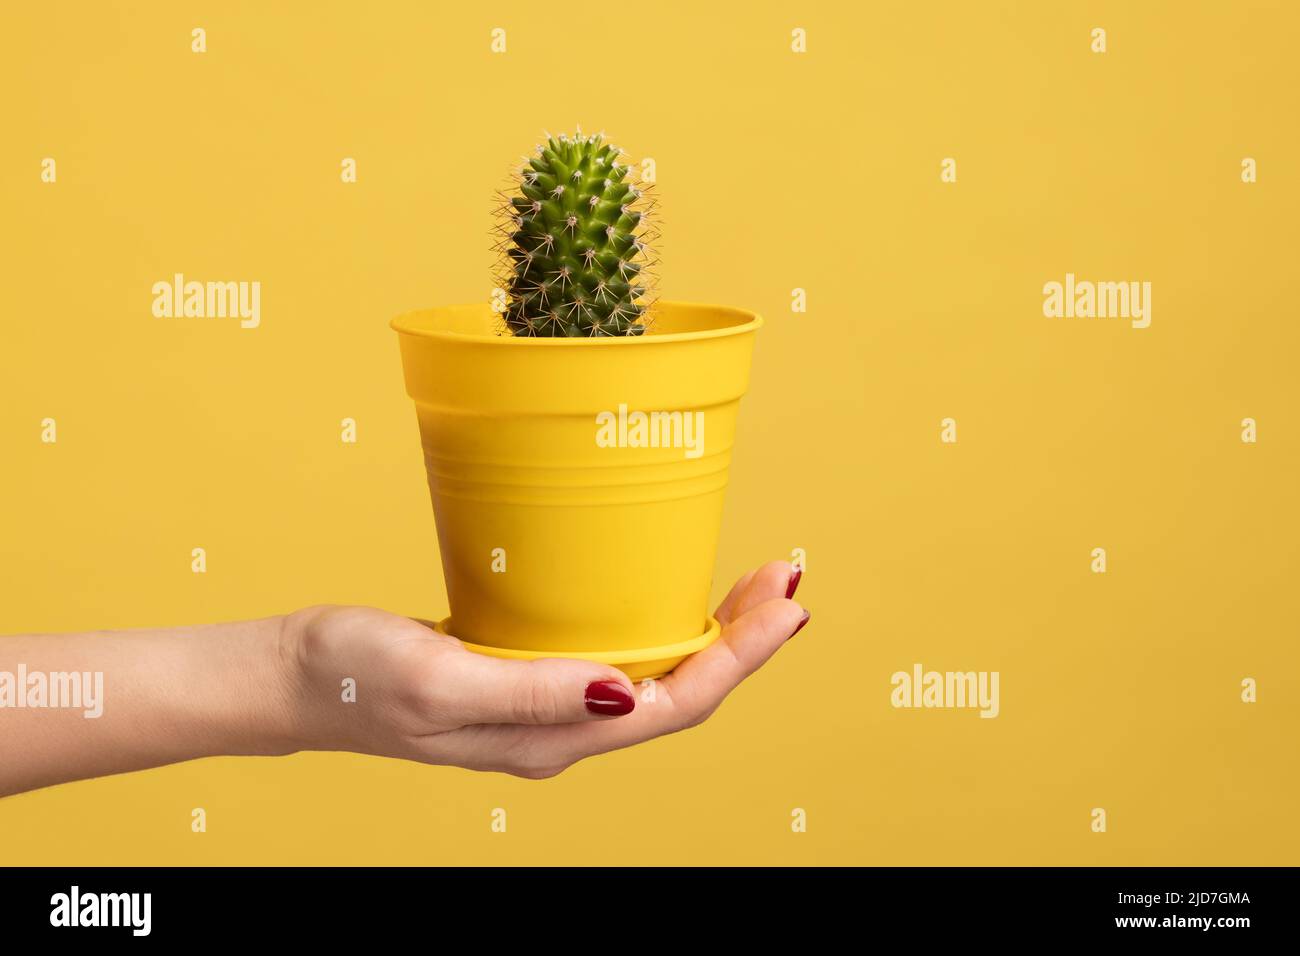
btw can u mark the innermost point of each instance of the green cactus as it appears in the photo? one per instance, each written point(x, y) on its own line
point(574, 238)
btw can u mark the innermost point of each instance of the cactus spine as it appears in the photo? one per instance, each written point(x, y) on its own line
point(574, 236)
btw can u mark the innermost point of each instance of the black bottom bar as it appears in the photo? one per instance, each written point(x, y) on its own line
point(442, 905)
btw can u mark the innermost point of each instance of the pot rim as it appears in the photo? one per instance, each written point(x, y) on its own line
point(746, 321)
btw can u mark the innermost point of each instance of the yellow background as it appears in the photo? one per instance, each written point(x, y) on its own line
point(775, 171)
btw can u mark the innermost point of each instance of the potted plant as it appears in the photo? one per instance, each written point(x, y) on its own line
point(577, 434)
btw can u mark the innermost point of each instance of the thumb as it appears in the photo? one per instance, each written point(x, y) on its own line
point(477, 689)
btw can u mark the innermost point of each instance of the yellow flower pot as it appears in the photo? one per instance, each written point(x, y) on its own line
point(577, 483)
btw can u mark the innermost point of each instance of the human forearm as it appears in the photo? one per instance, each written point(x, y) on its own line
point(167, 695)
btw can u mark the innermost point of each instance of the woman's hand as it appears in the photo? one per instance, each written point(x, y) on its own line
point(276, 685)
point(421, 696)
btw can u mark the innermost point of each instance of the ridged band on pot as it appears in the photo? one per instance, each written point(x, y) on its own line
point(566, 522)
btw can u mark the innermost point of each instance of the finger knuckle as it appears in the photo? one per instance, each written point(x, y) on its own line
point(691, 708)
point(777, 569)
point(535, 701)
point(695, 715)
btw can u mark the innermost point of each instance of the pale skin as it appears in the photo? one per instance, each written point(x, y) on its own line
point(272, 687)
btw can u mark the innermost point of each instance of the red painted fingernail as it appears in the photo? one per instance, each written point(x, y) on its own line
point(802, 621)
point(794, 583)
point(609, 698)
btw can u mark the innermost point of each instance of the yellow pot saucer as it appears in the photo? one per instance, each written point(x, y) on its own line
point(646, 663)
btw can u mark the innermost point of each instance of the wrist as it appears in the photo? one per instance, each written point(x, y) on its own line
point(251, 700)
point(305, 721)
point(288, 727)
